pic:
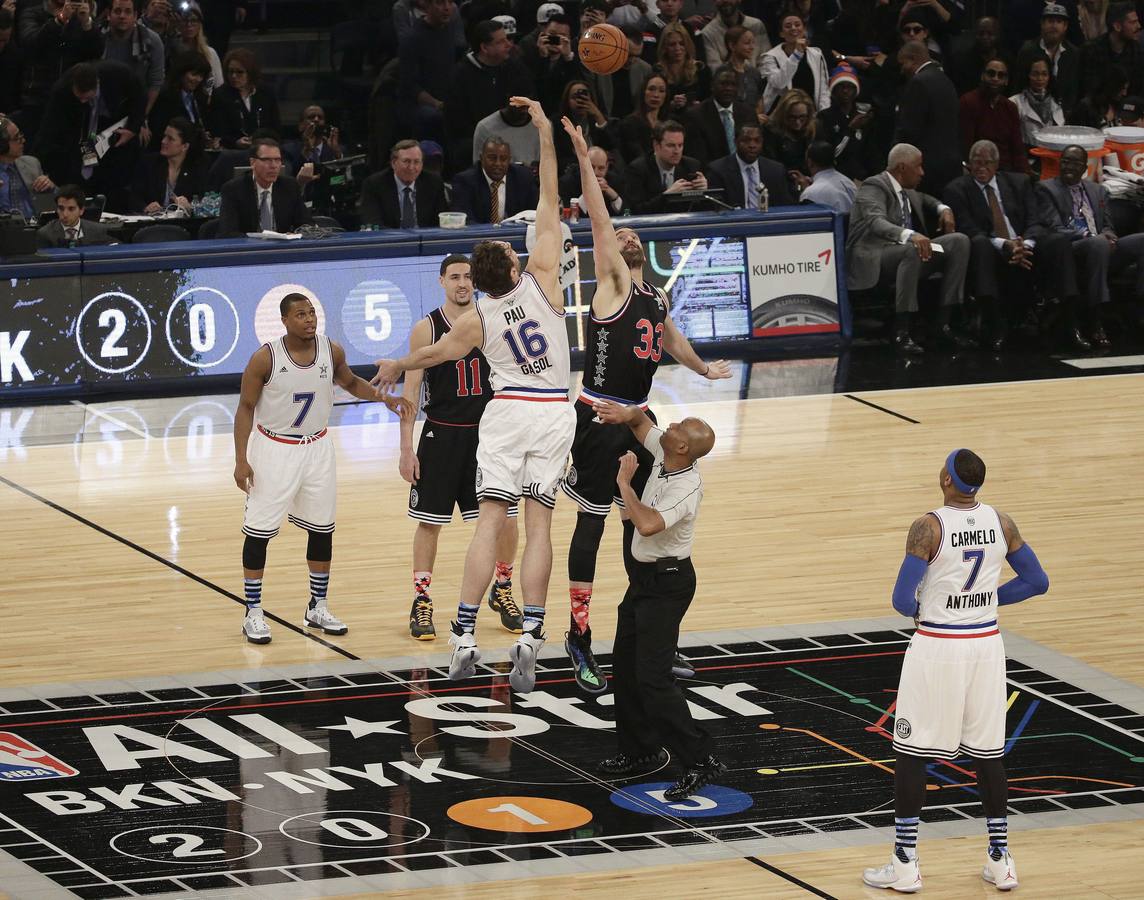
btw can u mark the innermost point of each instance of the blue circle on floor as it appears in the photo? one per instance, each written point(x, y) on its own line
point(713, 800)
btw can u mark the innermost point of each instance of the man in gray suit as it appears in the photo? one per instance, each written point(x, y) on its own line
point(70, 229)
point(21, 176)
point(1078, 209)
point(888, 242)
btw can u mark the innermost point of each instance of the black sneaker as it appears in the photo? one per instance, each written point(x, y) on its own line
point(421, 619)
point(589, 676)
point(501, 602)
point(681, 666)
point(695, 779)
point(622, 764)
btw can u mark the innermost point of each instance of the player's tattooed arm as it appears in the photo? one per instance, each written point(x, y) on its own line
point(923, 539)
point(1012, 536)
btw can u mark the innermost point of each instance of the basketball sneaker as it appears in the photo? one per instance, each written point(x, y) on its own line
point(623, 764)
point(681, 666)
point(463, 663)
point(501, 602)
point(1001, 873)
point(523, 656)
point(319, 616)
point(588, 674)
point(255, 628)
point(421, 619)
point(902, 875)
point(695, 779)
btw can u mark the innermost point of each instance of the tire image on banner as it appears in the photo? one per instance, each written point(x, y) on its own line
point(793, 284)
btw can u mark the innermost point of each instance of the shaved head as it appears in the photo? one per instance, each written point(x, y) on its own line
point(700, 437)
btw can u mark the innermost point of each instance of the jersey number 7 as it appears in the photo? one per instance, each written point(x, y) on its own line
point(306, 398)
point(974, 556)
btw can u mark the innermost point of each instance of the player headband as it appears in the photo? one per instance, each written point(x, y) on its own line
point(951, 467)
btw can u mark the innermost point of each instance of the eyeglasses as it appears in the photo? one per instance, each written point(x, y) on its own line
point(913, 29)
point(273, 160)
point(996, 73)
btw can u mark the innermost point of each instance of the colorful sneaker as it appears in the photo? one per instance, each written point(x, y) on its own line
point(695, 779)
point(1001, 873)
point(901, 875)
point(255, 628)
point(421, 619)
point(501, 602)
point(522, 678)
point(463, 663)
point(622, 764)
point(681, 666)
point(588, 674)
point(320, 617)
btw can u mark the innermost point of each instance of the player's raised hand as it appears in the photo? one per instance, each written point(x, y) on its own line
point(244, 476)
point(613, 413)
point(535, 111)
point(717, 369)
point(401, 407)
point(388, 372)
point(409, 466)
point(576, 133)
point(628, 465)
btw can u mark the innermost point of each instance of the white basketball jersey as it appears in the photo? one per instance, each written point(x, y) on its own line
point(297, 399)
point(525, 339)
point(960, 585)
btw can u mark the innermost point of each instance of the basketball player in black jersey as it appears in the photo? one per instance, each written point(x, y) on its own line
point(629, 329)
point(443, 472)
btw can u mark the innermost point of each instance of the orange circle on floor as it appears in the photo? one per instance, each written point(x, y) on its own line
point(519, 814)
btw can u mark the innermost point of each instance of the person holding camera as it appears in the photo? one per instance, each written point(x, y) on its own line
point(663, 172)
point(553, 61)
point(317, 143)
point(56, 34)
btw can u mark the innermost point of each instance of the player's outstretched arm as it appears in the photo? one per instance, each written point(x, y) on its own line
point(466, 334)
point(619, 414)
point(407, 464)
point(680, 349)
point(1031, 579)
point(544, 258)
point(921, 543)
point(360, 388)
point(254, 376)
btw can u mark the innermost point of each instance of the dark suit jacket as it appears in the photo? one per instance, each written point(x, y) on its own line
point(238, 214)
point(151, 180)
point(1054, 204)
point(229, 119)
point(706, 139)
point(380, 205)
point(725, 173)
point(972, 214)
point(927, 118)
point(168, 106)
point(875, 224)
point(570, 185)
point(94, 234)
point(471, 193)
point(645, 186)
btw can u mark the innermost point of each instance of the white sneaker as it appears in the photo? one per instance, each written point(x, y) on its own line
point(255, 628)
point(1001, 873)
point(904, 877)
point(463, 663)
point(321, 617)
point(522, 678)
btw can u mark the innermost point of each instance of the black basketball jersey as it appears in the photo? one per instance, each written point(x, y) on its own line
point(455, 392)
point(622, 352)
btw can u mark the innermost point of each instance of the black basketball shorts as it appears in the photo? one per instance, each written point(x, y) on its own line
point(448, 458)
point(596, 450)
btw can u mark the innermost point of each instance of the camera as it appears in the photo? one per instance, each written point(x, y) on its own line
point(321, 132)
point(553, 39)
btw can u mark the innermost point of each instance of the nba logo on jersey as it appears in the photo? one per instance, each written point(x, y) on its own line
point(22, 761)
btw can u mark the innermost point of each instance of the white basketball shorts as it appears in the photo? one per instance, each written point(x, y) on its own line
point(523, 449)
point(290, 479)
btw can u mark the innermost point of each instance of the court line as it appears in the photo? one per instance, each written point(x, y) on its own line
point(278, 620)
point(881, 409)
point(114, 421)
point(796, 881)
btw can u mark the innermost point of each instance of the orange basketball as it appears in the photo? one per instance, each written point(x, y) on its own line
point(603, 49)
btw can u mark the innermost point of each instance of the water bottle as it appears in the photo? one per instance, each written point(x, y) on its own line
point(764, 198)
point(196, 206)
point(574, 215)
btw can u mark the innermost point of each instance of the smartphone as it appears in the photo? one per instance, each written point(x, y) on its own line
point(862, 108)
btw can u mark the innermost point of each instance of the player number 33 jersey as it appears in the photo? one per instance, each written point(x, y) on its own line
point(960, 585)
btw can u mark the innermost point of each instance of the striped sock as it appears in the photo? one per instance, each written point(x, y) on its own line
point(906, 838)
point(253, 590)
point(533, 617)
point(421, 582)
point(504, 572)
point(319, 582)
point(998, 836)
point(467, 617)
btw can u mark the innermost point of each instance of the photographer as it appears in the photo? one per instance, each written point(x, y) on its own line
point(318, 143)
point(553, 63)
point(56, 34)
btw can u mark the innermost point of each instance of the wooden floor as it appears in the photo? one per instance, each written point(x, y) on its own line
point(807, 504)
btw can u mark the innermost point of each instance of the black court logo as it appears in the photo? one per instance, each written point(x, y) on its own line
point(413, 497)
point(480, 477)
point(903, 728)
point(572, 476)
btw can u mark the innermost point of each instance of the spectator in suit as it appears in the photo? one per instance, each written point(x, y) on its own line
point(405, 195)
point(264, 200)
point(740, 51)
point(69, 229)
point(427, 56)
point(889, 242)
point(789, 131)
point(729, 15)
point(128, 41)
point(494, 176)
point(794, 64)
point(688, 79)
point(317, 142)
point(663, 171)
point(997, 211)
point(1118, 48)
point(579, 105)
point(55, 35)
point(611, 184)
point(1077, 208)
point(987, 114)
point(21, 176)
point(846, 127)
point(12, 63)
point(240, 107)
point(638, 128)
point(513, 125)
point(618, 94)
point(1063, 57)
point(712, 125)
point(927, 117)
point(742, 173)
point(183, 95)
point(176, 174)
point(1037, 107)
point(826, 186)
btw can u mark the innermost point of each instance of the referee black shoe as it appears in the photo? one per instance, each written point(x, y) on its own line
point(421, 619)
point(589, 676)
point(622, 764)
point(681, 666)
point(502, 603)
point(695, 779)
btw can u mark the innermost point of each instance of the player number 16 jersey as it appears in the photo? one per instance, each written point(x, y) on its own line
point(525, 339)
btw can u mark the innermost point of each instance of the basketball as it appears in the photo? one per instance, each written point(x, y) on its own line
point(603, 49)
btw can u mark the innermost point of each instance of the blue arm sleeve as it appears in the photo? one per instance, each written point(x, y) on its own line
point(910, 575)
point(1031, 579)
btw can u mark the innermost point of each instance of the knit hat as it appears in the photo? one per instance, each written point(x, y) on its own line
point(844, 73)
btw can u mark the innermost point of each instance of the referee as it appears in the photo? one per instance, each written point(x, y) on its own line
point(651, 711)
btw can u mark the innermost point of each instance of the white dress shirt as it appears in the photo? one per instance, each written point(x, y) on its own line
point(676, 497)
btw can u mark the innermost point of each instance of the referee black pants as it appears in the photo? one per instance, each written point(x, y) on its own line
point(650, 709)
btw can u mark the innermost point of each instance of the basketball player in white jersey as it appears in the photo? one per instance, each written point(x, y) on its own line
point(284, 459)
point(527, 428)
point(629, 329)
point(951, 698)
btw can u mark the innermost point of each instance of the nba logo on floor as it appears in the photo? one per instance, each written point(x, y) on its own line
point(21, 761)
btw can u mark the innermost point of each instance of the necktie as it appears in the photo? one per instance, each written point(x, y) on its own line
point(907, 218)
point(667, 180)
point(70, 233)
point(265, 213)
point(1082, 211)
point(494, 202)
point(408, 215)
point(752, 188)
point(1000, 229)
point(728, 128)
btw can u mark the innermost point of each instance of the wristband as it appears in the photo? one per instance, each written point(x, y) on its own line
point(708, 369)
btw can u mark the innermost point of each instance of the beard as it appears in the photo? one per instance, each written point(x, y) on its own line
point(634, 256)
